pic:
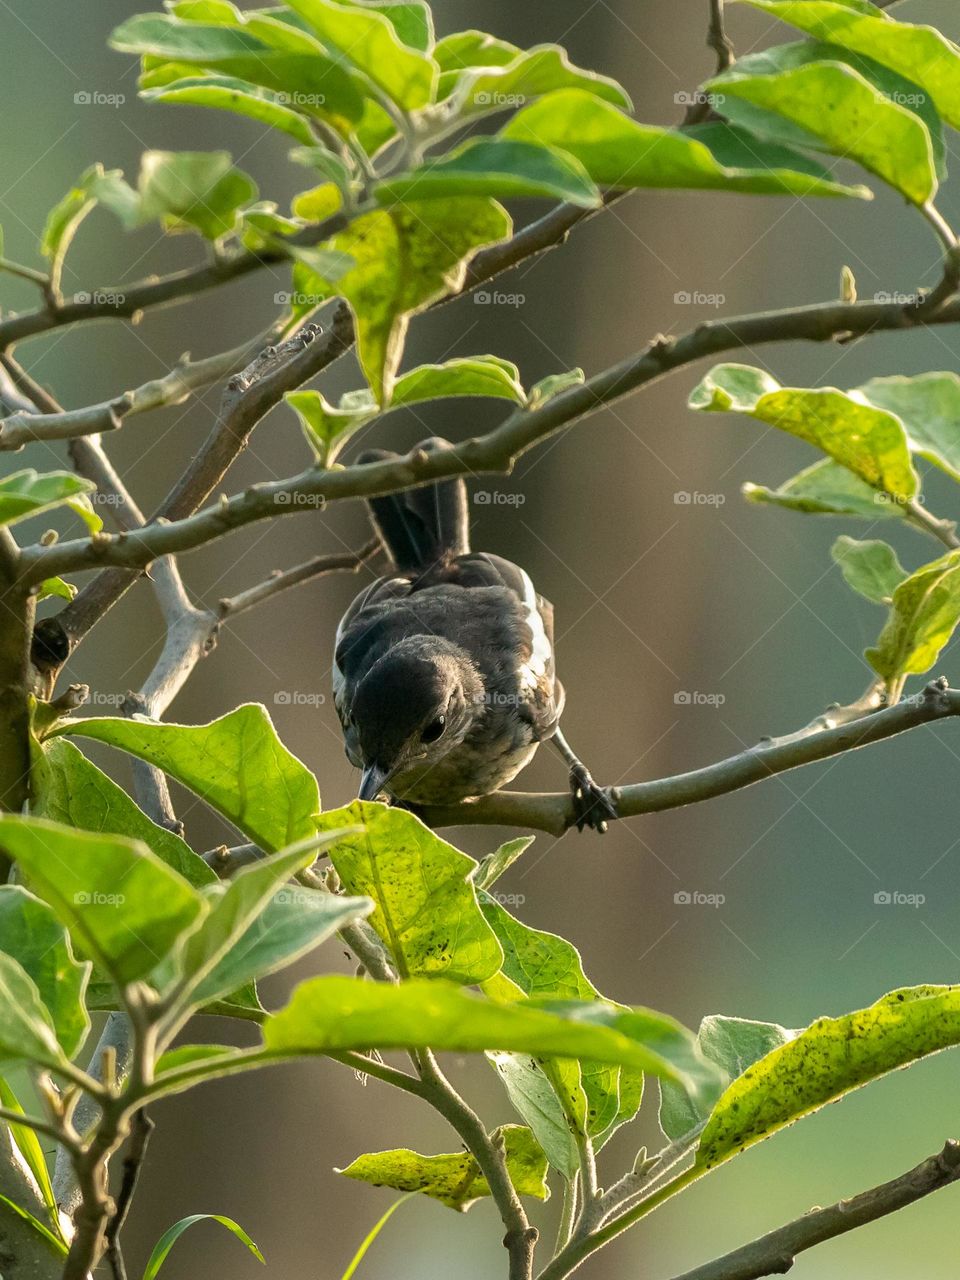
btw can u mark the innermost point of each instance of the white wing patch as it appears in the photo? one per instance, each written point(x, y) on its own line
point(534, 670)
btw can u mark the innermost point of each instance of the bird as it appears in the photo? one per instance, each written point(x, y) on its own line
point(443, 675)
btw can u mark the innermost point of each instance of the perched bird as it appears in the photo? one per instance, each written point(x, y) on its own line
point(444, 670)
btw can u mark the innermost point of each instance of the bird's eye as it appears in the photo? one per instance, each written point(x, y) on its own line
point(434, 729)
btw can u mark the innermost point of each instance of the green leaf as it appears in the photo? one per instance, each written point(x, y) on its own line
point(28, 493)
point(406, 258)
point(492, 867)
point(208, 964)
point(426, 908)
point(199, 189)
point(315, 84)
point(122, 905)
point(318, 204)
point(539, 71)
point(237, 764)
point(324, 161)
point(226, 93)
point(920, 53)
point(784, 57)
point(28, 1145)
point(185, 1055)
point(870, 442)
point(826, 488)
point(535, 1100)
point(326, 428)
point(455, 1180)
point(543, 964)
point(734, 1044)
point(294, 921)
point(827, 1060)
point(923, 617)
point(332, 1014)
point(928, 405)
point(205, 11)
point(64, 219)
point(844, 110)
point(26, 1029)
point(553, 384)
point(58, 587)
point(870, 568)
point(462, 376)
point(618, 152)
point(494, 167)
point(35, 938)
point(173, 1234)
point(411, 19)
point(370, 43)
point(67, 787)
point(464, 50)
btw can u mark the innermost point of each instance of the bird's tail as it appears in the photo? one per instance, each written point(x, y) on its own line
point(421, 526)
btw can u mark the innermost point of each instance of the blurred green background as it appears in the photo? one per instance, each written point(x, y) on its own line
point(654, 598)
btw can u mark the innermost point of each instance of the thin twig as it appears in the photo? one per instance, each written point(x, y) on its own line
point(141, 1129)
point(717, 38)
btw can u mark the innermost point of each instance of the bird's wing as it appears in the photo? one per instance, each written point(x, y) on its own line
point(536, 672)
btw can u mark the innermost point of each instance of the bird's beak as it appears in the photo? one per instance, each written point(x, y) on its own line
point(373, 780)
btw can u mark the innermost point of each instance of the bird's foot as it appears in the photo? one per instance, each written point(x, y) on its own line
point(593, 805)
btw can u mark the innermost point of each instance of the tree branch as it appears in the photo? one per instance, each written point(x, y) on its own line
point(494, 452)
point(56, 637)
point(553, 811)
point(521, 1238)
point(26, 425)
point(776, 1252)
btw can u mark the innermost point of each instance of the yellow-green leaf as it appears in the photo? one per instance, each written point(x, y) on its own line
point(870, 442)
point(827, 1060)
point(923, 617)
point(405, 258)
point(455, 1180)
point(426, 910)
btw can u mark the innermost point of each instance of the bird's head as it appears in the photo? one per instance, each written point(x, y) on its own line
point(413, 705)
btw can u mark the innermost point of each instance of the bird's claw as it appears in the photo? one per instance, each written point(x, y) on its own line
point(592, 804)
